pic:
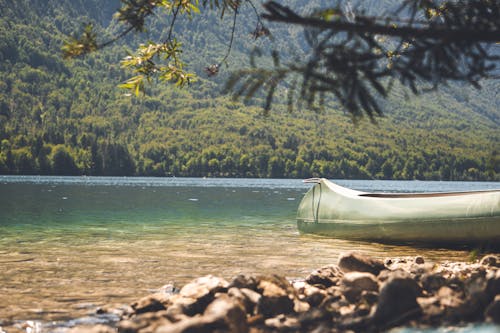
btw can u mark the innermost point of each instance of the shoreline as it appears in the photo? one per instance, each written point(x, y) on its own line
point(357, 294)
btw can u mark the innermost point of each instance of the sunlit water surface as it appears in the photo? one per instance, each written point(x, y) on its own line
point(71, 244)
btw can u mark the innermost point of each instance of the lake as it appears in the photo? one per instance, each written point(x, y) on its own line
point(71, 244)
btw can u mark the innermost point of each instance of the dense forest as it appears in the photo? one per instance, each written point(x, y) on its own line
point(62, 117)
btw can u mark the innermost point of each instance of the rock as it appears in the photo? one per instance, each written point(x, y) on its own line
point(145, 322)
point(311, 294)
point(224, 314)
point(354, 262)
point(492, 312)
point(202, 286)
point(227, 312)
point(493, 283)
point(89, 329)
point(313, 317)
point(300, 306)
point(196, 295)
point(397, 301)
point(419, 260)
point(247, 297)
point(179, 307)
point(369, 297)
point(152, 303)
point(283, 323)
point(360, 280)
point(326, 276)
point(490, 260)
point(277, 298)
point(244, 281)
point(473, 308)
point(354, 283)
point(432, 281)
point(432, 311)
point(448, 297)
point(169, 289)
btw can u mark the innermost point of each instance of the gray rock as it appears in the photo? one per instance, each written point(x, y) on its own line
point(354, 283)
point(145, 322)
point(179, 307)
point(493, 283)
point(202, 286)
point(354, 262)
point(150, 303)
point(473, 308)
point(89, 329)
point(244, 281)
point(326, 276)
point(277, 296)
point(224, 314)
point(247, 297)
point(492, 312)
point(397, 301)
point(195, 296)
point(228, 313)
point(369, 297)
point(449, 298)
point(360, 280)
point(310, 294)
point(283, 323)
point(432, 281)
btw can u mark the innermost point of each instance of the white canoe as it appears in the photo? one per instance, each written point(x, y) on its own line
point(442, 218)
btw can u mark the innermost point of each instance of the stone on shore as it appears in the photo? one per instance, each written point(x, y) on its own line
point(361, 294)
point(355, 262)
point(492, 312)
point(397, 301)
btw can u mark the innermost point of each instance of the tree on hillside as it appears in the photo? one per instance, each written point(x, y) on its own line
point(353, 55)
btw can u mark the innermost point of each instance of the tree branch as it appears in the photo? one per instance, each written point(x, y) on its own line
point(279, 13)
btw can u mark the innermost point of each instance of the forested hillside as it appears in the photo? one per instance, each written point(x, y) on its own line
point(69, 118)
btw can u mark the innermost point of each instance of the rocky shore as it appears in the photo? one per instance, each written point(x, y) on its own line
point(358, 294)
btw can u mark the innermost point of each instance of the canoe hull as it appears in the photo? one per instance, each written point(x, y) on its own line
point(450, 218)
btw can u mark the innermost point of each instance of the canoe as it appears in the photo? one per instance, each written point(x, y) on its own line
point(433, 218)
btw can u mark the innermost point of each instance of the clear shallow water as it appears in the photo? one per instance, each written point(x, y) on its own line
point(71, 244)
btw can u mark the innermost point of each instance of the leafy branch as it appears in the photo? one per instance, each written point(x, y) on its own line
point(156, 60)
point(356, 58)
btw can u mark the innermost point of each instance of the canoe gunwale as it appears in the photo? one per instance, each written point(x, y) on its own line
point(347, 192)
point(423, 195)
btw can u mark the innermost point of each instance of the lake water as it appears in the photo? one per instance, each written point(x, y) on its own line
point(71, 244)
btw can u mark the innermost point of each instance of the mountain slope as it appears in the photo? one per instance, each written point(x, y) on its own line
point(68, 117)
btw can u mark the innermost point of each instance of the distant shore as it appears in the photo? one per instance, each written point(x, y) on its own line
point(358, 294)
